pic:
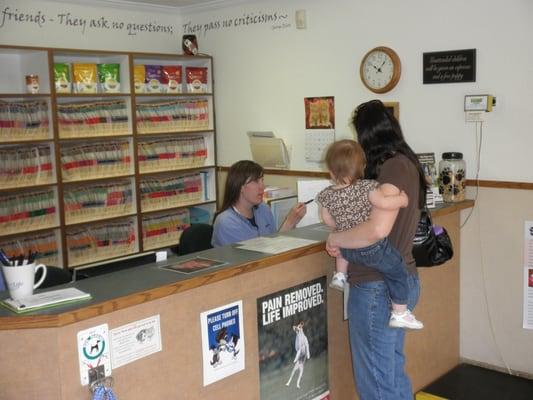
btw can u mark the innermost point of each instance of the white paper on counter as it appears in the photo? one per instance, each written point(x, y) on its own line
point(274, 245)
point(308, 190)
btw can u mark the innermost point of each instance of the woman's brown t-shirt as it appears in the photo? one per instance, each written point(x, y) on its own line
point(402, 173)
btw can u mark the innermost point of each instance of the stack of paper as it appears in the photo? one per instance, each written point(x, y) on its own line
point(274, 192)
point(45, 299)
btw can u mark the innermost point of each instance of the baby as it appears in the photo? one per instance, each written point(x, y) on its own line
point(349, 202)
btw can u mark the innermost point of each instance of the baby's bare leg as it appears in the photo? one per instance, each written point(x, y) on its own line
point(341, 265)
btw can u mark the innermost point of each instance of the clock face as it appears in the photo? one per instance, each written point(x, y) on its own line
point(380, 70)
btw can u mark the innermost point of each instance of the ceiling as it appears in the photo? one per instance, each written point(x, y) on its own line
point(167, 3)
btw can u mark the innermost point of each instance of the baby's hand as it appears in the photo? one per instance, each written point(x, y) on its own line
point(404, 198)
point(333, 251)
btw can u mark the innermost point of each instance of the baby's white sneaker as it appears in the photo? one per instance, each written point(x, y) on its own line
point(405, 320)
point(338, 281)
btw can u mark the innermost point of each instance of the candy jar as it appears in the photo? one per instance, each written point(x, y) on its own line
point(452, 177)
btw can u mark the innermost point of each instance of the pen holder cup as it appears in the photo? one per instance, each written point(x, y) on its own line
point(20, 280)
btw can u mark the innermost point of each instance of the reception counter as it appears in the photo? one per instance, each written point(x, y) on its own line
point(39, 352)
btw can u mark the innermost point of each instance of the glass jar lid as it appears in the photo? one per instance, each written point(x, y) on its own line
point(453, 155)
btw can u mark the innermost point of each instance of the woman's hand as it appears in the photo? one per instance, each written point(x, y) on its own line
point(293, 217)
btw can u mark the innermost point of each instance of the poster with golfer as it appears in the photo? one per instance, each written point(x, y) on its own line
point(293, 343)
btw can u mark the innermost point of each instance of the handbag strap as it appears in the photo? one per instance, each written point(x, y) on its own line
point(423, 229)
point(428, 213)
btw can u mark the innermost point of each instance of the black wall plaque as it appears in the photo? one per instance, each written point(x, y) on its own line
point(453, 66)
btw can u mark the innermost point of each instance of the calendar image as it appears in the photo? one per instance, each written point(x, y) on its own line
point(319, 112)
point(317, 142)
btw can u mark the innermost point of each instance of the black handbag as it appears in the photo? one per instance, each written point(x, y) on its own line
point(431, 245)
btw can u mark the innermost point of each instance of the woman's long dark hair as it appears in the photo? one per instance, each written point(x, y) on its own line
point(381, 137)
point(239, 174)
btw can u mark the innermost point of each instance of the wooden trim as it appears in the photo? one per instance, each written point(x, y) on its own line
point(94, 310)
point(469, 182)
point(25, 95)
point(286, 172)
point(395, 108)
point(184, 133)
point(90, 96)
point(500, 184)
point(167, 95)
point(60, 51)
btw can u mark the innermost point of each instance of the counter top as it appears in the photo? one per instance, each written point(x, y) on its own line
point(443, 209)
point(126, 288)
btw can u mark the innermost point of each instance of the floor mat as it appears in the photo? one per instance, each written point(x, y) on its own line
point(469, 382)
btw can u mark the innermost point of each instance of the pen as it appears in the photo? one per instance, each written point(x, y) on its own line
point(31, 257)
point(308, 201)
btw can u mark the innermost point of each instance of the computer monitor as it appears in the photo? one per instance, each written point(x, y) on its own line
point(108, 266)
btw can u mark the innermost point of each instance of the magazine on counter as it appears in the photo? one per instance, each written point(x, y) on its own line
point(427, 160)
point(193, 265)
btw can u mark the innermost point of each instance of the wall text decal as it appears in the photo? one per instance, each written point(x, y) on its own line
point(279, 20)
point(10, 16)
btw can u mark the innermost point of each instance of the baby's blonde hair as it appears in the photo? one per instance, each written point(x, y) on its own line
point(346, 161)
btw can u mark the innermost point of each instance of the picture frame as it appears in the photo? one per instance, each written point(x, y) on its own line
point(319, 112)
point(394, 108)
point(452, 66)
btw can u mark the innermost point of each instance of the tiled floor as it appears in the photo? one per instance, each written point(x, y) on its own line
point(468, 382)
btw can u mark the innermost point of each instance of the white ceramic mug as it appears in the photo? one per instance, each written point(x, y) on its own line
point(20, 281)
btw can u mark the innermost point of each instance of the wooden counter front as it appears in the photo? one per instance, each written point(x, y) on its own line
point(39, 357)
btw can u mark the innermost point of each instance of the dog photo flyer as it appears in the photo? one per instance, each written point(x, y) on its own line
point(194, 264)
point(135, 340)
point(293, 343)
point(222, 341)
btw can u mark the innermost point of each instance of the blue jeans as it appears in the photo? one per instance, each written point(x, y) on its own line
point(377, 351)
point(386, 259)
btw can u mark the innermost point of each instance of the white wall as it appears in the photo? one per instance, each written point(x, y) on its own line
point(263, 73)
point(62, 24)
point(492, 280)
point(264, 70)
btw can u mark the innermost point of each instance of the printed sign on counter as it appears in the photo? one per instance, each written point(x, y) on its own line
point(528, 275)
point(93, 353)
point(293, 343)
point(136, 340)
point(222, 342)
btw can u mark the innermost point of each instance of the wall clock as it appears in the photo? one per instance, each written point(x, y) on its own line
point(380, 69)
